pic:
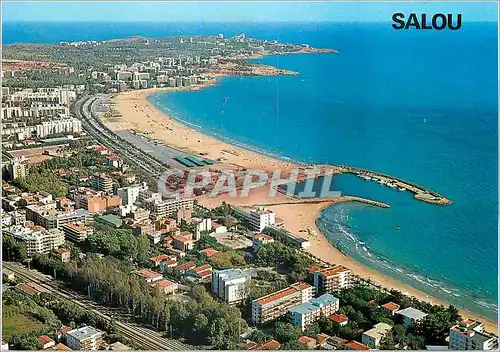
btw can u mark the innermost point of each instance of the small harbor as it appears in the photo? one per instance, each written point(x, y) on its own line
point(420, 193)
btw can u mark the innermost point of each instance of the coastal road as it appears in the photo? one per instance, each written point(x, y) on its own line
point(146, 338)
point(82, 109)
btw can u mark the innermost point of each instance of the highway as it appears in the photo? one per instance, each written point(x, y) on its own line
point(82, 109)
point(146, 338)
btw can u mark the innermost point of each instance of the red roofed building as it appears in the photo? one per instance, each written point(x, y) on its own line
point(266, 346)
point(64, 254)
point(166, 286)
point(339, 319)
point(63, 332)
point(332, 279)
point(202, 272)
point(186, 266)
point(46, 342)
point(149, 276)
point(61, 347)
point(209, 252)
point(166, 259)
point(390, 308)
point(307, 341)
point(355, 345)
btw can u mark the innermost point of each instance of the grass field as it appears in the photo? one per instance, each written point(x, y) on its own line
point(18, 324)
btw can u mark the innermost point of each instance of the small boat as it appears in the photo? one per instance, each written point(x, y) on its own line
point(401, 189)
point(392, 185)
point(382, 182)
point(398, 227)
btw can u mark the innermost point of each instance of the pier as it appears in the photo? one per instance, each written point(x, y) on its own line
point(420, 193)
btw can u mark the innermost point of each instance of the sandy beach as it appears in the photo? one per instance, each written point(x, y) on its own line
point(138, 114)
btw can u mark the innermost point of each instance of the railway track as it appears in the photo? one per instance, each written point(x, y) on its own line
point(146, 338)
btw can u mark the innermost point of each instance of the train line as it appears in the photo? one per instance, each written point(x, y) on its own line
point(148, 339)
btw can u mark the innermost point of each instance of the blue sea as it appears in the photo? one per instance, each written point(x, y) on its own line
point(420, 105)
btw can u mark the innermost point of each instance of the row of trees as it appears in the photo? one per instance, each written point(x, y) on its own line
point(200, 319)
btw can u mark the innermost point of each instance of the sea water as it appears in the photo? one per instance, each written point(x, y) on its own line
point(420, 105)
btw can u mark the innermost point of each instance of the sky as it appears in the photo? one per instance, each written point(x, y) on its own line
point(237, 11)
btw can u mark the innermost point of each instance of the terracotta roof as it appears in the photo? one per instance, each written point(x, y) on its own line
point(322, 338)
point(164, 283)
point(160, 258)
point(268, 345)
point(391, 306)
point(186, 266)
point(203, 267)
point(277, 295)
point(313, 269)
point(355, 345)
point(76, 227)
point(306, 340)
point(209, 252)
point(301, 285)
point(262, 236)
point(334, 270)
point(181, 239)
point(148, 274)
point(61, 250)
point(338, 318)
point(44, 339)
point(62, 347)
point(63, 331)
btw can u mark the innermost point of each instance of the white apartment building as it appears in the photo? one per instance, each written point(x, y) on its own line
point(84, 338)
point(470, 335)
point(36, 239)
point(229, 285)
point(47, 128)
point(332, 279)
point(373, 336)
point(276, 304)
point(309, 312)
point(411, 316)
point(257, 218)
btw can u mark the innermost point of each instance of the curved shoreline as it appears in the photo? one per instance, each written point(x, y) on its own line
point(297, 217)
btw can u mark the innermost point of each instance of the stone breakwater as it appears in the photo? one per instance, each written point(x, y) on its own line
point(419, 192)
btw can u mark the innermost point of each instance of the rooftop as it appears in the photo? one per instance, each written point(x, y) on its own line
point(306, 340)
point(304, 308)
point(44, 339)
point(278, 295)
point(148, 274)
point(378, 330)
point(84, 332)
point(61, 347)
point(338, 318)
point(412, 313)
point(324, 300)
point(209, 252)
point(391, 306)
point(164, 283)
point(334, 270)
point(355, 345)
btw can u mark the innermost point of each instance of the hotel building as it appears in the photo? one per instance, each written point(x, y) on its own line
point(51, 218)
point(276, 304)
point(77, 233)
point(257, 218)
point(373, 336)
point(84, 338)
point(332, 279)
point(36, 239)
point(229, 285)
point(470, 335)
point(309, 312)
point(101, 182)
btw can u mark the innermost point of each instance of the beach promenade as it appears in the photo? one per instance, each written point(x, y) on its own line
point(299, 216)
